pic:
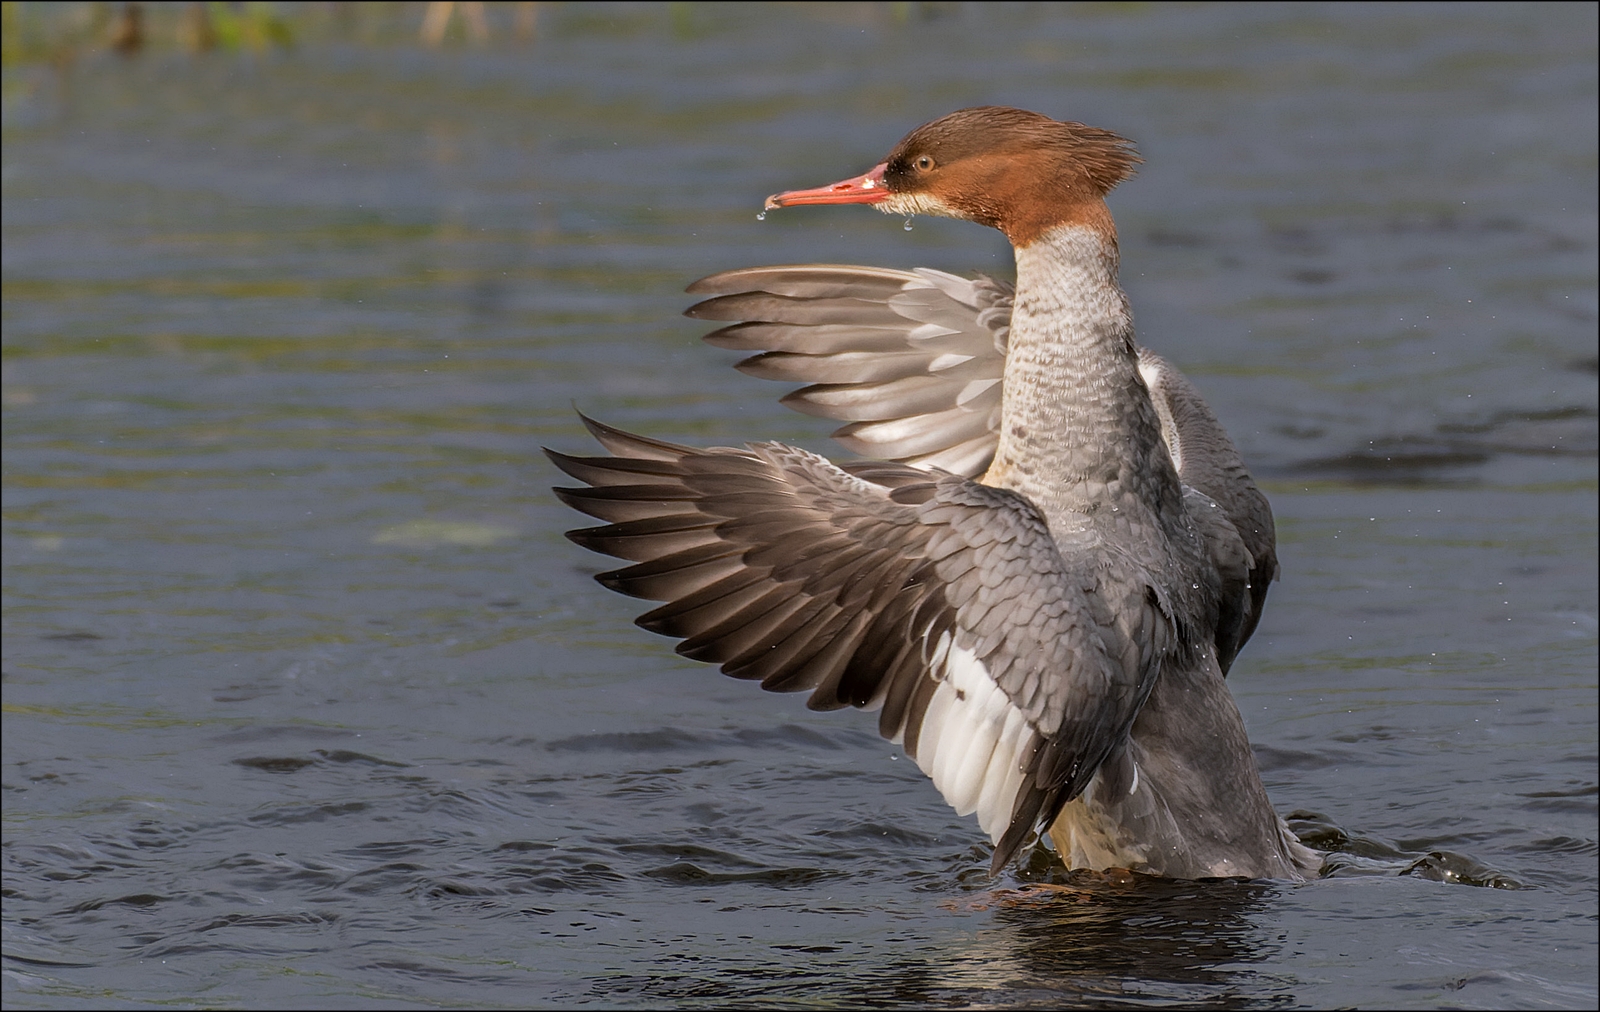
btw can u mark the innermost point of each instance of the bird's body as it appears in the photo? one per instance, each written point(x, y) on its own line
point(1042, 580)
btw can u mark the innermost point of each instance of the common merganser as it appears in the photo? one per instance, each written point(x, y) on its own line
point(1041, 581)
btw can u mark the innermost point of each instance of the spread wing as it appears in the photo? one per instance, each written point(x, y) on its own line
point(1007, 669)
point(914, 361)
point(1232, 511)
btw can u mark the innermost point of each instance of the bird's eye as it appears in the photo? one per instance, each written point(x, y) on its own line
point(924, 163)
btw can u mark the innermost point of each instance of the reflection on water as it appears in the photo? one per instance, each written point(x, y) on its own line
point(1099, 945)
point(1093, 944)
point(307, 700)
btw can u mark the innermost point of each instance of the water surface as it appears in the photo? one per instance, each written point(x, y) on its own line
point(308, 702)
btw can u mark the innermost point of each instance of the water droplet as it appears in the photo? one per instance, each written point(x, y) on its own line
point(908, 223)
point(762, 216)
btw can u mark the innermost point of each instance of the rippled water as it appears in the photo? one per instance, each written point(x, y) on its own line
point(307, 701)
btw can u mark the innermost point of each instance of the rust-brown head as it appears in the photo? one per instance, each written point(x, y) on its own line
point(1017, 171)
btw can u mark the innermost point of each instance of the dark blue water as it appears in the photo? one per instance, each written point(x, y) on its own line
point(308, 702)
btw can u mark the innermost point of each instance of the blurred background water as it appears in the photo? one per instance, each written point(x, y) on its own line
point(307, 702)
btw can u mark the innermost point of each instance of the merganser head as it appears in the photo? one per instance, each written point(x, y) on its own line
point(1017, 171)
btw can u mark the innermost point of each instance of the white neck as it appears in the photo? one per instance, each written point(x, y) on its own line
point(1078, 432)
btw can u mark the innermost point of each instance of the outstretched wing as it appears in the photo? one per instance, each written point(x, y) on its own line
point(1232, 507)
point(1007, 670)
point(914, 361)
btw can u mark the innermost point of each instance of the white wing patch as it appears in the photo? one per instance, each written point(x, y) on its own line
point(949, 360)
point(1151, 373)
point(973, 741)
point(973, 390)
point(929, 331)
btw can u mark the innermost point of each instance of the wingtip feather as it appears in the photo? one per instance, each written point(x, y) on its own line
point(629, 444)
